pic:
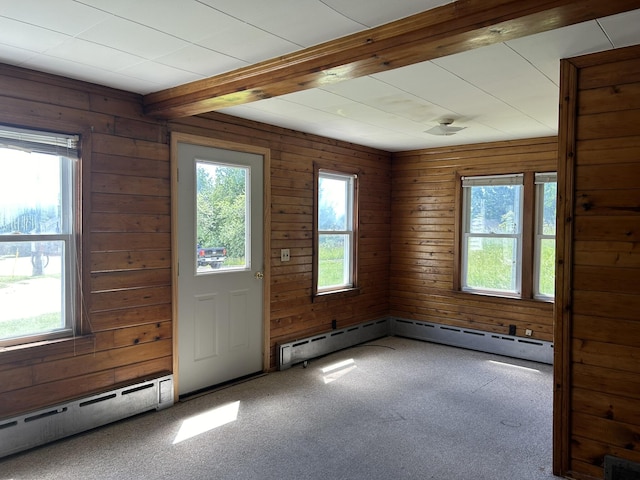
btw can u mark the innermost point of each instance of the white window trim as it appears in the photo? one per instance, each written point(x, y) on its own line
point(540, 180)
point(61, 145)
point(490, 180)
point(349, 264)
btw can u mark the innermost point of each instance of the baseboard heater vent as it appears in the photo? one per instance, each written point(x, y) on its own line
point(510, 346)
point(53, 423)
point(620, 469)
point(318, 345)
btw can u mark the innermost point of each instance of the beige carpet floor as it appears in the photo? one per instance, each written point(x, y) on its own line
point(393, 408)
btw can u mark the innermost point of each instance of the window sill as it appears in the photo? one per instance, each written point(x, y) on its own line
point(490, 293)
point(544, 299)
point(60, 347)
point(506, 296)
point(333, 294)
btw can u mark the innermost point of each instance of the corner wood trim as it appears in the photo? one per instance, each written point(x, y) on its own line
point(564, 249)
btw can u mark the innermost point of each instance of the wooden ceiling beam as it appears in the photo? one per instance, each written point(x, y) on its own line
point(453, 28)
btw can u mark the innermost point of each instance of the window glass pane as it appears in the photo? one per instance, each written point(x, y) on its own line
point(549, 209)
point(36, 228)
point(333, 261)
point(335, 231)
point(494, 209)
point(30, 193)
point(31, 286)
point(547, 267)
point(333, 203)
point(492, 264)
point(222, 213)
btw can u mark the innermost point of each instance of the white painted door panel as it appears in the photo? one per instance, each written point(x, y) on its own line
point(220, 329)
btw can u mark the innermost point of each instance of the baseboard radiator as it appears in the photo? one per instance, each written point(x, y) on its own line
point(305, 349)
point(508, 345)
point(59, 421)
point(318, 345)
point(616, 468)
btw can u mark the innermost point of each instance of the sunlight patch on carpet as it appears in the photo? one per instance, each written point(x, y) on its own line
point(336, 370)
point(510, 365)
point(204, 422)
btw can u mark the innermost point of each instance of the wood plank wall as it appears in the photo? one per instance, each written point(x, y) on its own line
point(293, 314)
point(126, 261)
point(424, 211)
point(600, 320)
point(125, 264)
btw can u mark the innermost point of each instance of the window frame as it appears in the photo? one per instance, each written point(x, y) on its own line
point(541, 179)
point(351, 233)
point(492, 180)
point(529, 259)
point(52, 143)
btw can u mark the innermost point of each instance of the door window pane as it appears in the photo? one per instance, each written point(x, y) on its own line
point(222, 213)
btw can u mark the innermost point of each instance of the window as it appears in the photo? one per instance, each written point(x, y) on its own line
point(335, 251)
point(222, 212)
point(37, 254)
point(492, 243)
point(508, 236)
point(545, 242)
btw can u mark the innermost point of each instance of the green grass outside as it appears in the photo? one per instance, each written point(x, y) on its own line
point(488, 268)
point(330, 270)
point(234, 262)
point(548, 268)
point(6, 281)
point(491, 267)
point(29, 326)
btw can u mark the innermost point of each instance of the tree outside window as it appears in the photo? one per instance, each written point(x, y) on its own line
point(222, 209)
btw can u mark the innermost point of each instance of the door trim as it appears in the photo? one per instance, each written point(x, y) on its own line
point(178, 137)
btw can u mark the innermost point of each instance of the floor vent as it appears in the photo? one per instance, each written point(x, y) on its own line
point(318, 345)
point(620, 469)
point(510, 346)
point(43, 426)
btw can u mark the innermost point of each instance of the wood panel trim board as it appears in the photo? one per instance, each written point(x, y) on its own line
point(453, 28)
point(177, 137)
point(595, 319)
point(564, 248)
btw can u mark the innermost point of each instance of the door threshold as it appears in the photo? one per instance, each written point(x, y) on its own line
point(220, 386)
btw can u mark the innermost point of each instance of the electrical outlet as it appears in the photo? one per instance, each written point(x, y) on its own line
point(528, 332)
point(285, 256)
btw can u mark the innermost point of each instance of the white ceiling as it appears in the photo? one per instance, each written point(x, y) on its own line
point(501, 92)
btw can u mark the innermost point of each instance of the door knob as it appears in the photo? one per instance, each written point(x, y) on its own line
point(259, 275)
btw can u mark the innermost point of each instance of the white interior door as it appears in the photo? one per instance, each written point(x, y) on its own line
point(220, 265)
